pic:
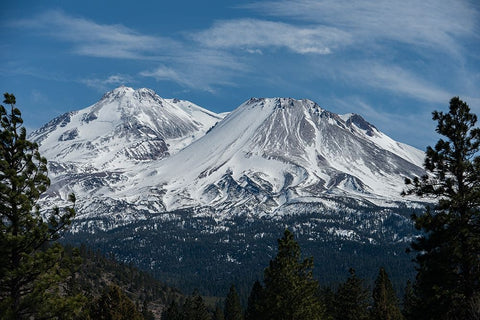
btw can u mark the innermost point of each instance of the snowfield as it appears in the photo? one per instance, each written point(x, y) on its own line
point(134, 154)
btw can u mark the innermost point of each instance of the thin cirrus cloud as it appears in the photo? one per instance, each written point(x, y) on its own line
point(177, 60)
point(201, 69)
point(98, 40)
point(398, 80)
point(427, 23)
point(164, 73)
point(253, 35)
point(102, 84)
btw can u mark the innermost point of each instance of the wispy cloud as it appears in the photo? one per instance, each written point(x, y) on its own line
point(180, 61)
point(92, 39)
point(200, 69)
point(163, 73)
point(395, 79)
point(432, 23)
point(104, 84)
point(254, 34)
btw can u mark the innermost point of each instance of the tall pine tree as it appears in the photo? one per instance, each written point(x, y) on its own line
point(114, 304)
point(409, 302)
point(290, 291)
point(194, 308)
point(172, 312)
point(351, 299)
point(32, 269)
point(448, 252)
point(385, 302)
point(233, 308)
point(218, 314)
point(253, 311)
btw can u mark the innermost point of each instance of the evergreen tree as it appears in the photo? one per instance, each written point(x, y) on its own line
point(218, 314)
point(409, 302)
point(233, 309)
point(448, 252)
point(32, 269)
point(253, 307)
point(290, 290)
point(351, 299)
point(385, 302)
point(146, 313)
point(327, 296)
point(194, 308)
point(113, 304)
point(172, 312)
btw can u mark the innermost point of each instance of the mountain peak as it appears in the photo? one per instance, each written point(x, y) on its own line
point(359, 122)
point(282, 102)
point(122, 92)
point(125, 125)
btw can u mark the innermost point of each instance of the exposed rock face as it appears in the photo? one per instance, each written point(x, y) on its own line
point(142, 154)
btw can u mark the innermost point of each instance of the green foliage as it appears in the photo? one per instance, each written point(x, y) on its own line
point(351, 299)
point(194, 308)
point(385, 302)
point(448, 259)
point(146, 313)
point(172, 312)
point(409, 302)
point(254, 299)
point(32, 270)
point(290, 291)
point(113, 304)
point(218, 314)
point(203, 264)
point(233, 309)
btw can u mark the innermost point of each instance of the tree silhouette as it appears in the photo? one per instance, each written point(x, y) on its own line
point(32, 269)
point(448, 251)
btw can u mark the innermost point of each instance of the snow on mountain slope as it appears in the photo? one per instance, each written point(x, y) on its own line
point(409, 153)
point(124, 127)
point(269, 152)
point(94, 151)
point(133, 154)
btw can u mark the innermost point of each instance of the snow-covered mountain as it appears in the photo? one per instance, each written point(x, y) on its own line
point(94, 151)
point(134, 154)
point(124, 127)
point(202, 197)
point(269, 152)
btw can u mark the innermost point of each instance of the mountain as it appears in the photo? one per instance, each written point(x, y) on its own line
point(124, 127)
point(270, 152)
point(94, 151)
point(201, 197)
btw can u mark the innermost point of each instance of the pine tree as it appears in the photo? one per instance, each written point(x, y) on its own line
point(290, 290)
point(448, 251)
point(172, 312)
point(351, 299)
point(114, 304)
point(327, 296)
point(146, 313)
point(218, 314)
point(385, 302)
point(32, 269)
point(409, 302)
point(194, 308)
point(253, 311)
point(233, 309)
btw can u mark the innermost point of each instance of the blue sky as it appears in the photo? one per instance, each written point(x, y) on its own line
point(393, 62)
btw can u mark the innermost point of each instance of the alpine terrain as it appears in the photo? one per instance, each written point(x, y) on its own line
point(199, 198)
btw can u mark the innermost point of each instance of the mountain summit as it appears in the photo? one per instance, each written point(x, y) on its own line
point(202, 197)
point(125, 126)
point(138, 154)
point(270, 152)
